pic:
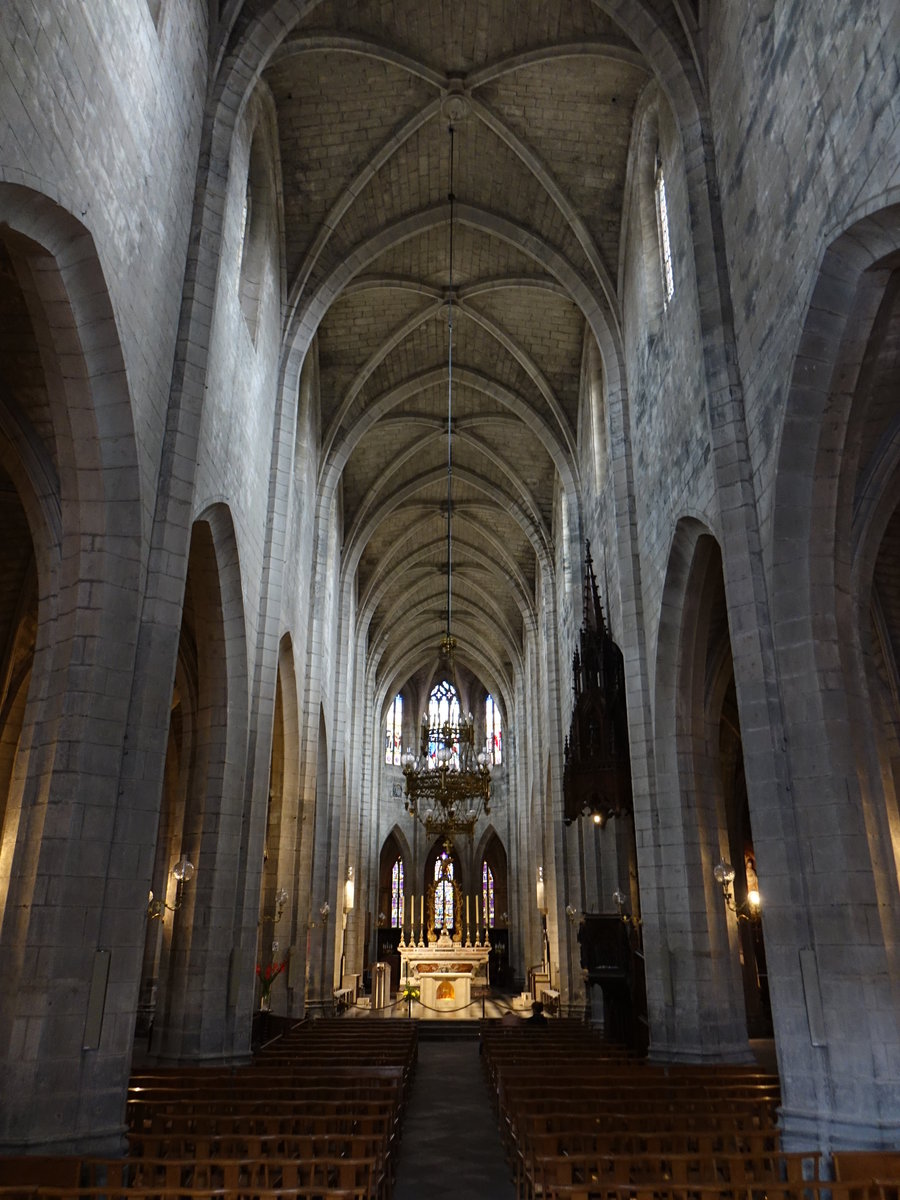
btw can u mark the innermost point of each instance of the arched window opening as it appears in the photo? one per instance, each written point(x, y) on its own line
point(597, 401)
point(487, 894)
point(443, 891)
point(245, 218)
point(397, 894)
point(392, 732)
point(493, 730)
point(665, 245)
point(443, 707)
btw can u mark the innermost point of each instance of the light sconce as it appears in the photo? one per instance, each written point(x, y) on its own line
point(382, 920)
point(281, 899)
point(324, 910)
point(571, 913)
point(620, 900)
point(183, 871)
point(541, 897)
point(724, 874)
point(349, 891)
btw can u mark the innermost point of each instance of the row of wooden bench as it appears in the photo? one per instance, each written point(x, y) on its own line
point(582, 1121)
point(319, 1119)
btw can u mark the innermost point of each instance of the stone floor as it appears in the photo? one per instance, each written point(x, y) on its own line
point(451, 1145)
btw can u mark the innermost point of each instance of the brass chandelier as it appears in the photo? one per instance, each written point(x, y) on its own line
point(448, 783)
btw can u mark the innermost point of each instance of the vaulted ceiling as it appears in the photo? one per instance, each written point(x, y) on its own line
point(541, 94)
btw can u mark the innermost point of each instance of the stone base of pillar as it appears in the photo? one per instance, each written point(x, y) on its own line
point(106, 1143)
point(735, 1053)
point(821, 1131)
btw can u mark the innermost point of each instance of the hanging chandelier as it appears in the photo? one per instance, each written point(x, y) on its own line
point(448, 783)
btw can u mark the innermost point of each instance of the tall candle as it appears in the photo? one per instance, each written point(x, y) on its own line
point(412, 911)
point(421, 912)
point(468, 927)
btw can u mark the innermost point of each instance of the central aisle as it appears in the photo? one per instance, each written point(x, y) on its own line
point(451, 1146)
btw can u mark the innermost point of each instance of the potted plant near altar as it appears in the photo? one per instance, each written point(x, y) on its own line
point(267, 976)
point(409, 992)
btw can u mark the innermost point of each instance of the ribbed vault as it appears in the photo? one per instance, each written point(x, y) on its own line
point(362, 96)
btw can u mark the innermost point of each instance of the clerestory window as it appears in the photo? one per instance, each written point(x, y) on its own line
point(494, 731)
point(665, 244)
point(443, 707)
point(393, 731)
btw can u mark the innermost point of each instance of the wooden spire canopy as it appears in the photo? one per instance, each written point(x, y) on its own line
point(597, 771)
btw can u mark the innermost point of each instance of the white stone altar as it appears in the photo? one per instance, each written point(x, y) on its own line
point(444, 972)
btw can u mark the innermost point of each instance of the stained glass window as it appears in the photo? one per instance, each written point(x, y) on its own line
point(443, 891)
point(494, 731)
point(443, 706)
point(665, 246)
point(487, 894)
point(393, 730)
point(397, 894)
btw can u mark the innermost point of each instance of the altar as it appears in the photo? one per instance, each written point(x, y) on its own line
point(444, 972)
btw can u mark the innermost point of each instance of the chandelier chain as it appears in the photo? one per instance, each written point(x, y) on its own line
point(451, 198)
point(448, 784)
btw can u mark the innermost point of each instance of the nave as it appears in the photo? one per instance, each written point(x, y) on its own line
point(374, 1109)
point(449, 489)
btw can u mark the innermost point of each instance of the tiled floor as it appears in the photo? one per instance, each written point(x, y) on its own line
point(451, 1146)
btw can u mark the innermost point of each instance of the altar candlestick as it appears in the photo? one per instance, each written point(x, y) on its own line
point(421, 913)
point(412, 912)
point(468, 926)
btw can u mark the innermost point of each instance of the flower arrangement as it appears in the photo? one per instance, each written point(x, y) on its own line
point(267, 976)
point(409, 992)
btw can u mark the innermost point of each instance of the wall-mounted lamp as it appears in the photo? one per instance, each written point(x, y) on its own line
point(324, 910)
point(349, 891)
point(183, 871)
point(747, 911)
point(541, 897)
point(281, 899)
point(571, 913)
point(620, 900)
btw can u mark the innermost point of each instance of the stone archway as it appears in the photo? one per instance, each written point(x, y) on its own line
point(70, 570)
point(695, 995)
point(834, 602)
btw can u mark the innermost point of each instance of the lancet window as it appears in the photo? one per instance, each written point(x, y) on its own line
point(493, 730)
point(443, 707)
point(397, 894)
point(393, 731)
point(665, 245)
point(443, 891)
point(487, 894)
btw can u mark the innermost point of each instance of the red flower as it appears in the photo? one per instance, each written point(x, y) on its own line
point(269, 974)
